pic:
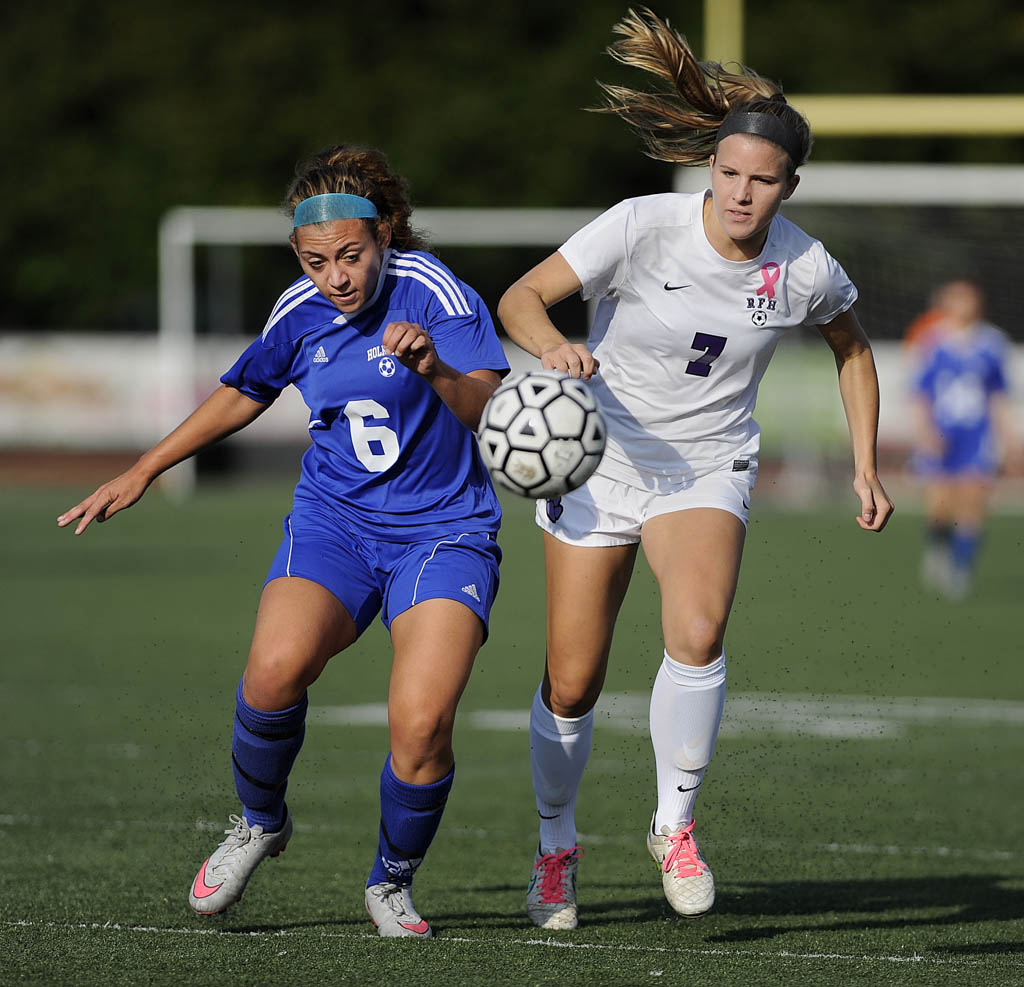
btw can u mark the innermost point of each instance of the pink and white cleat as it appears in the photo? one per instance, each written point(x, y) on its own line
point(392, 911)
point(551, 895)
point(685, 876)
point(224, 875)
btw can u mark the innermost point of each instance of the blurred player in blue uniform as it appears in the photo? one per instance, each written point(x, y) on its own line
point(393, 513)
point(964, 433)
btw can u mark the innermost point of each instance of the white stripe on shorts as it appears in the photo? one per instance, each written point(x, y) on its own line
point(433, 552)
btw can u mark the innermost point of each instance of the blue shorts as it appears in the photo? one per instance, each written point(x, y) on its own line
point(370, 576)
point(967, 453)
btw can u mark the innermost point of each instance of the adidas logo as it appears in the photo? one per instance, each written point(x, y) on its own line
point(320, 356)
point(470, 590)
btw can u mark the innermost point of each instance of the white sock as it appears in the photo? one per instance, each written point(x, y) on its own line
point(686, 711)
point(559, 748)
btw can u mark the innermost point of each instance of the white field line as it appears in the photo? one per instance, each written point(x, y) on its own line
point(107, 824)
point(853, 717)
point(762, 954)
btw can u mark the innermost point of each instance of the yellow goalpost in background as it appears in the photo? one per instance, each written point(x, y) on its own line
point(998, 115)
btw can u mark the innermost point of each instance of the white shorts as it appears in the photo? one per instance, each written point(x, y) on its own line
point(605, 511)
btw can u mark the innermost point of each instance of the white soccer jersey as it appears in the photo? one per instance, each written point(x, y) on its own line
point(684, 335)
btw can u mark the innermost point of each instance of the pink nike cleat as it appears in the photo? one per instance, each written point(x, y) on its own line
point(224, 875)
point(392, 911)
point(685, 876)
point(551, 895)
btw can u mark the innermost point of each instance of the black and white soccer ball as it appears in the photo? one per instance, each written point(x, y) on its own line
point(542, 434)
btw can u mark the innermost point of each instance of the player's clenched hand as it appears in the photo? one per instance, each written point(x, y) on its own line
point(875, 506)
point(412, 346)
point(119, 493)
point(572, 359)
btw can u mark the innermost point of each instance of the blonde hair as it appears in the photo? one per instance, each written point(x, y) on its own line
point(359, 171)
point(680, 123)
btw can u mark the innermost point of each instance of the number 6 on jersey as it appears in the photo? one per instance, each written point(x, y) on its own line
point(357, 413)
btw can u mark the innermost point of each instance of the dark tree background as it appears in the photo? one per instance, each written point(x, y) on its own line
point(112, 112)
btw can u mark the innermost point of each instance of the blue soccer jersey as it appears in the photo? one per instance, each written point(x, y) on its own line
point(959, 377)
point(388, 455)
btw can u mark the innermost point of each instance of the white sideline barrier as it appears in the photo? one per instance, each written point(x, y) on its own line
point(75, 391)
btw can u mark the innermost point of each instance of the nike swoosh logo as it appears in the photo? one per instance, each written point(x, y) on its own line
point(675, 287)
point(201, 889)
point(555, 816)
point(679, 788)
point(419, 928)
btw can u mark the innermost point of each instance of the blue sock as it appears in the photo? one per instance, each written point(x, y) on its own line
point(263, 749)
point(965, 548)
point(409, 817)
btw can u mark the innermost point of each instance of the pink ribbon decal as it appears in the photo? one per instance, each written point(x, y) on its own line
point(770, 273)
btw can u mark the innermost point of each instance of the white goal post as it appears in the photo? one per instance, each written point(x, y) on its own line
point(184, 228)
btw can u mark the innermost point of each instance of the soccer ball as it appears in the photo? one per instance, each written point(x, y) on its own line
point(542, 434)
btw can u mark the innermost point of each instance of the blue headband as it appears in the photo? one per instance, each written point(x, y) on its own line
point(333, 205)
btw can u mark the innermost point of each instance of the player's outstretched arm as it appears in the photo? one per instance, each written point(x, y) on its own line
point(223, 412)
point(858, 385)
point(523, 313)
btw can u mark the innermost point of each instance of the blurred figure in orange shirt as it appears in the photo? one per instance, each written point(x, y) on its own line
point(926, 326)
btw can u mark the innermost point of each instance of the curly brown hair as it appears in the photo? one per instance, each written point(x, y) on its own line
point(361, 171)
point(680, 123)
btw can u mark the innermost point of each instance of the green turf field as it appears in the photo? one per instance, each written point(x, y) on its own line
point(864, 814)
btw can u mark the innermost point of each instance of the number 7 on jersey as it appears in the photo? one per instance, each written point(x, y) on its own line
point(712, 346)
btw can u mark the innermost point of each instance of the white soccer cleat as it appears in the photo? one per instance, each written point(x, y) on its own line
point(392, 911)
point(224, 875)
point(936, 568)
point(958, 585)
point(551, 895)
point(685, 876)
